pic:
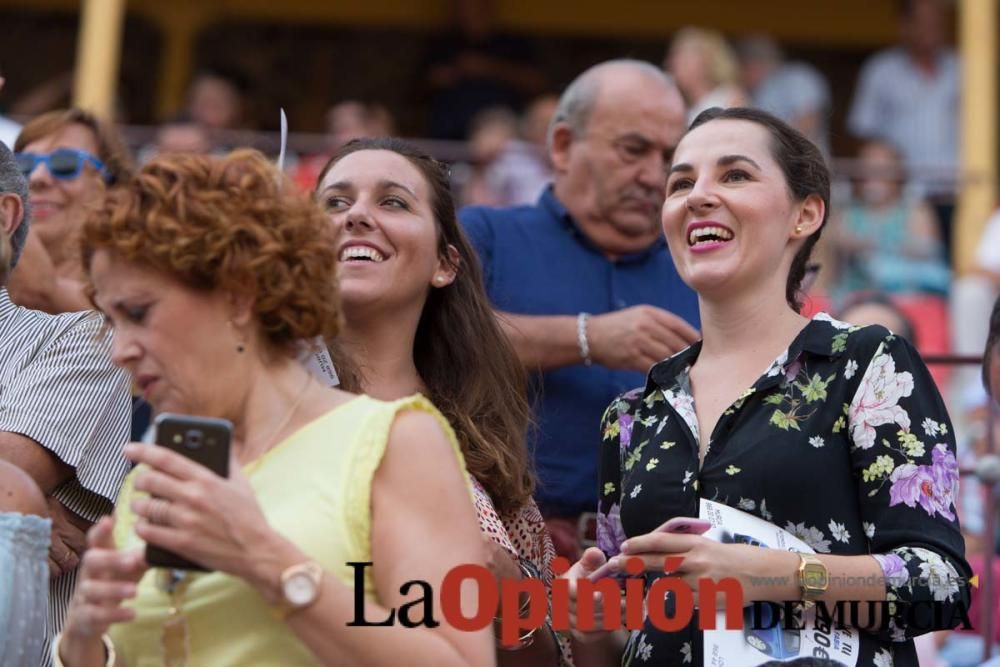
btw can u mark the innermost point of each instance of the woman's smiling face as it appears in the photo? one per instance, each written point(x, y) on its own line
point(388, 238)
point(729, 216)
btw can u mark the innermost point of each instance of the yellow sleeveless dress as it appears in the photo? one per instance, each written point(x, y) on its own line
point(315, 489)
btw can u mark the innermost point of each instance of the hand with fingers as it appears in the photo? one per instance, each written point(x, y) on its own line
point(591, 561)
point(69, 539)
point(191, 511)
point(695, 559)
point(108, 577)
point(638, 337)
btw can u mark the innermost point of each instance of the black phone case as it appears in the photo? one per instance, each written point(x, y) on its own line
point(204, 440)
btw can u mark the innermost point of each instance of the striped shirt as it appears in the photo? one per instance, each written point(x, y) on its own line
point(59, 388)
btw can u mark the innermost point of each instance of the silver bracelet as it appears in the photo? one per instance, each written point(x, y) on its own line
point(581, 338)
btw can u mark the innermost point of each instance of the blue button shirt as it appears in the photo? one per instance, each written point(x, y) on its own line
point(536, 261)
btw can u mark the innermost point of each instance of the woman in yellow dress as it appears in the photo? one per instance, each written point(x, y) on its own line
point(211, 273)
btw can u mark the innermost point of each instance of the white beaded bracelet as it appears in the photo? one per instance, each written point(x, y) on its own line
point(109, 650)
point(581, 338)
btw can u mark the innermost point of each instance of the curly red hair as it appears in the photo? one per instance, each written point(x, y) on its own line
point(232, 223)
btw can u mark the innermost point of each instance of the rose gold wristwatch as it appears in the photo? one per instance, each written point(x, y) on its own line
point(300, 587)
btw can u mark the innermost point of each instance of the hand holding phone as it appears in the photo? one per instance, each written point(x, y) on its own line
point(202, 439)
point(679, 524)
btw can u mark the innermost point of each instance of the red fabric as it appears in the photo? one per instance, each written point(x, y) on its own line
point(929, 316)
point(975, 611)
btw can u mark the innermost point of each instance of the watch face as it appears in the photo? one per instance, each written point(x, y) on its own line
point(299, 589)
point(814, 576)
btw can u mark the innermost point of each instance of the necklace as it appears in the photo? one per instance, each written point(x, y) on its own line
point(288, 416)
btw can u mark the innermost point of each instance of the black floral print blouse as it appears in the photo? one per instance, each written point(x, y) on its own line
point(844, 441)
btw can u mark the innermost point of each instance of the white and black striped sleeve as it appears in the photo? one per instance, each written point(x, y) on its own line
point(71, 400)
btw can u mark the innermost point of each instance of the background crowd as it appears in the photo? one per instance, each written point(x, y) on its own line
point(586, 294)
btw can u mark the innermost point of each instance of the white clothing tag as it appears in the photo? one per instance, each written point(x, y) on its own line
point(316, 358)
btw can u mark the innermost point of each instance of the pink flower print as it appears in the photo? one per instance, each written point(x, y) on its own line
point(877, 400)
point(932, 487)
point(893, 569)
point(792, 369)
point(625, 431)
point(610, 533)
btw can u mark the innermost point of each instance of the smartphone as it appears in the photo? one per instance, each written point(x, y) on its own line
point(202, 439)
point(679, 524)
point(686, 525)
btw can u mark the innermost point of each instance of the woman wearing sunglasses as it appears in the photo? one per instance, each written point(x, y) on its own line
point(68, 157)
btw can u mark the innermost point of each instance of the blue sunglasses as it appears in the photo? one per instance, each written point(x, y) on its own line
point(64, 164)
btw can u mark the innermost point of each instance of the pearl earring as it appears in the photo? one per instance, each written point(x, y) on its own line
point(798, 229)
point(439, 280)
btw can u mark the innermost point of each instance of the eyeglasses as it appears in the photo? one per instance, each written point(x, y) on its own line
point(64, 164)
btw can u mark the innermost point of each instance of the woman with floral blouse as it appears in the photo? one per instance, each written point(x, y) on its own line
point(832, 432)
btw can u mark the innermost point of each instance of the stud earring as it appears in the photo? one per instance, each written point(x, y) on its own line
point(439, 280)
point(798, 229)
point(240, 347)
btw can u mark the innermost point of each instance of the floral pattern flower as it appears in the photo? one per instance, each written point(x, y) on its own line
point(610, 533)
point(883, 658)
point(893, 569)
point(932, 486)
point(625, 431)
point(811, 535)
point(940, 577)
point(839, 532)
point(877, 400)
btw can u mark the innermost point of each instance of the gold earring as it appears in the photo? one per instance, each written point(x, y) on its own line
point(798, 229)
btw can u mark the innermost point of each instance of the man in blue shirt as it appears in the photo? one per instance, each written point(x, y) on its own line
point(583, 282)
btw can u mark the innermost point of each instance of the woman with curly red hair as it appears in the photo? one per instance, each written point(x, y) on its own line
point(211, 272)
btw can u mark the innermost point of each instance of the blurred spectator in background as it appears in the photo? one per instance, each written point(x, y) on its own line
point(582, 281)
point(965, 649)
point(352, 119)
point(476, 67)
point(216, 100)
point(535, 122)
point(490, 132)
point(886, 237)
point(69, 157)
point(8, 128)
point(971, 296)
point(46, 95)
point(873, 307)
point(504, 170)
point(705, 69)
point(182, 135)
point(795, 92)
point(345, 121)
point(909, 95)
